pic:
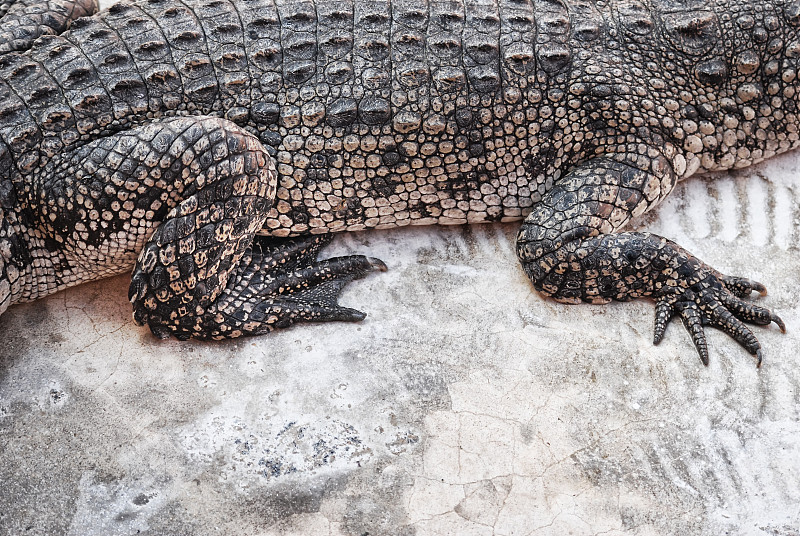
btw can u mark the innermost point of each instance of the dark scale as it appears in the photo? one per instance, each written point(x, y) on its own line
point(214, 146)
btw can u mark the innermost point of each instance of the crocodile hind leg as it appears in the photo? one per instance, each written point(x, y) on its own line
point(571, 251)
point(180, 201)
point(202, 275)
point(22, 21)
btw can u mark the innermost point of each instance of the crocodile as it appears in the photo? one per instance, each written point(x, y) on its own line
point(212, 147)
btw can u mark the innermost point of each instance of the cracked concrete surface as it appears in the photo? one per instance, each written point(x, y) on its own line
point(464, 404)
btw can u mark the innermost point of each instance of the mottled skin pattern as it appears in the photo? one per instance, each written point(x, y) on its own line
point(212, 146)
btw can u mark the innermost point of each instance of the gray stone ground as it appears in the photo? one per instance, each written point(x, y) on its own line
point(464, 404)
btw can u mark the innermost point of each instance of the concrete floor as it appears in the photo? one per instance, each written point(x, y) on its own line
point(464, 404)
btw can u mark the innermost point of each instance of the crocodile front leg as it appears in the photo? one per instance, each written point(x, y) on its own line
point(569, 248)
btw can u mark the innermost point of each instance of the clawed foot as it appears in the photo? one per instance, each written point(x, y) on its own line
point(279, 283)
point(716, 301)
point(276, 283)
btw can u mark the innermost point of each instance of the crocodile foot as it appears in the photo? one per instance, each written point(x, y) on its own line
point(279, 282)
point(716, 300)
point(571, 247)
point(276, 283)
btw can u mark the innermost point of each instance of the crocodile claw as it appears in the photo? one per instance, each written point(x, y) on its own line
point(742, 287)
point(720, 304)
point(377, 264)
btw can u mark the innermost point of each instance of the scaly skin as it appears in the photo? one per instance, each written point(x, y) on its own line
point(164, 136)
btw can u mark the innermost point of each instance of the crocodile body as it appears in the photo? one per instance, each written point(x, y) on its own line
point(208, 145)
